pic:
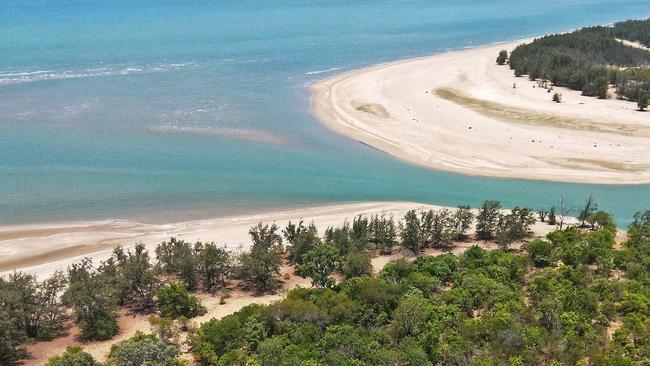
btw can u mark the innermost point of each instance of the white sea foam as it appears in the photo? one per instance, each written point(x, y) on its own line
point(7, 78)
point(227, 132)
point(316, 72)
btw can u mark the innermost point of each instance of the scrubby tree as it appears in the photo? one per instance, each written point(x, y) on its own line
point(214, 265)
point(488, 219)
point(552, 219)
point(174, 301)
point(319, 264)
point(144, 350)
point(301, 241)
point(540, 252)
point(132, 276)
point(261, 265)
point(11, 338)
point(93, 300)
point(514, 226)
point(503, 57)
point(589, 208)
point(600, 219)
point(642, 103)
point(178, 257)
point(557, 98)
point(73, 356)
point(356, 264)
point(35, 307)
point(166, 329)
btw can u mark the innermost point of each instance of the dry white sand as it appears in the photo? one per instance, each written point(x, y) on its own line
point(458, 111)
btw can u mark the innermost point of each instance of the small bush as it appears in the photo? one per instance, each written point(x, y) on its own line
point(175, 301)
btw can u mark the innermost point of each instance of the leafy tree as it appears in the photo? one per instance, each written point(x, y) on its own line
point(144, 350)
point(411, 232)
point(319, 264)
point(178, 257)
point(356, 264)
point(302, 242)
point(411, 316)
point(133, 276)
point(11, 338)
point(174, 301)
point(488, 219)
point(540, 252)
point(600, 219)
point(503, 57)
point(73, 356)
point(261, 265)
point(214, 265)
point(92, 299)
point(514, 226)
point(642, 103)
point(34, 307)
point(165, 329)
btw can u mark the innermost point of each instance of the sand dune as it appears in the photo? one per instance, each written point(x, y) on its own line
point(461, 112)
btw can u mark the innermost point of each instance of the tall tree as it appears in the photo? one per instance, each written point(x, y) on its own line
point(411, 232)
point(262, 264)
point(214, 265)
point(488, 219)
point(463, 219)
point(93, 300)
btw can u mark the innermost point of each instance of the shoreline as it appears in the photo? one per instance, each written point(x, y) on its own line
point(395, 107)
point(42, 249)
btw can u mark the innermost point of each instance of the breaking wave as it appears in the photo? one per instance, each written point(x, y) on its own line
point(7, 78)
point(316, 72)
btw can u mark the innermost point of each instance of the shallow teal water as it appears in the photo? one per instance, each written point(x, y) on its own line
point(163, 110)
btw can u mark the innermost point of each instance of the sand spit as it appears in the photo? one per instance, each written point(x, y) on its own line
point(461, 112)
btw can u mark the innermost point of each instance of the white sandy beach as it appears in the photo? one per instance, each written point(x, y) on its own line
point(43, 249)
point(458, 111)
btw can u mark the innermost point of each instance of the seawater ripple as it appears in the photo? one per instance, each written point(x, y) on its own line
point(19, 77)
point(226, 132)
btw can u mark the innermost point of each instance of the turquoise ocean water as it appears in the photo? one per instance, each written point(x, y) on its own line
point(174, 110)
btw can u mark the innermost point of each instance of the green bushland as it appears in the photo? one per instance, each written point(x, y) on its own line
point(590, 60)
point(574, 297)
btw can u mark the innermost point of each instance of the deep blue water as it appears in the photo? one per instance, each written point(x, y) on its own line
point(173, 110)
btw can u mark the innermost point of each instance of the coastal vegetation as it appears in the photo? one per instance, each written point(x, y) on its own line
point(574, 297)
point(590, 60)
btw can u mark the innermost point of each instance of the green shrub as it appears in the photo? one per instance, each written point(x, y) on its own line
point(175, 301)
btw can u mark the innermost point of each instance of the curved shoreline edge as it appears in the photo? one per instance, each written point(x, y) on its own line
point(395, 108)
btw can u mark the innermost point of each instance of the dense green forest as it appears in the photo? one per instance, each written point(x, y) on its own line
point(575, 297)
point(590, 60)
